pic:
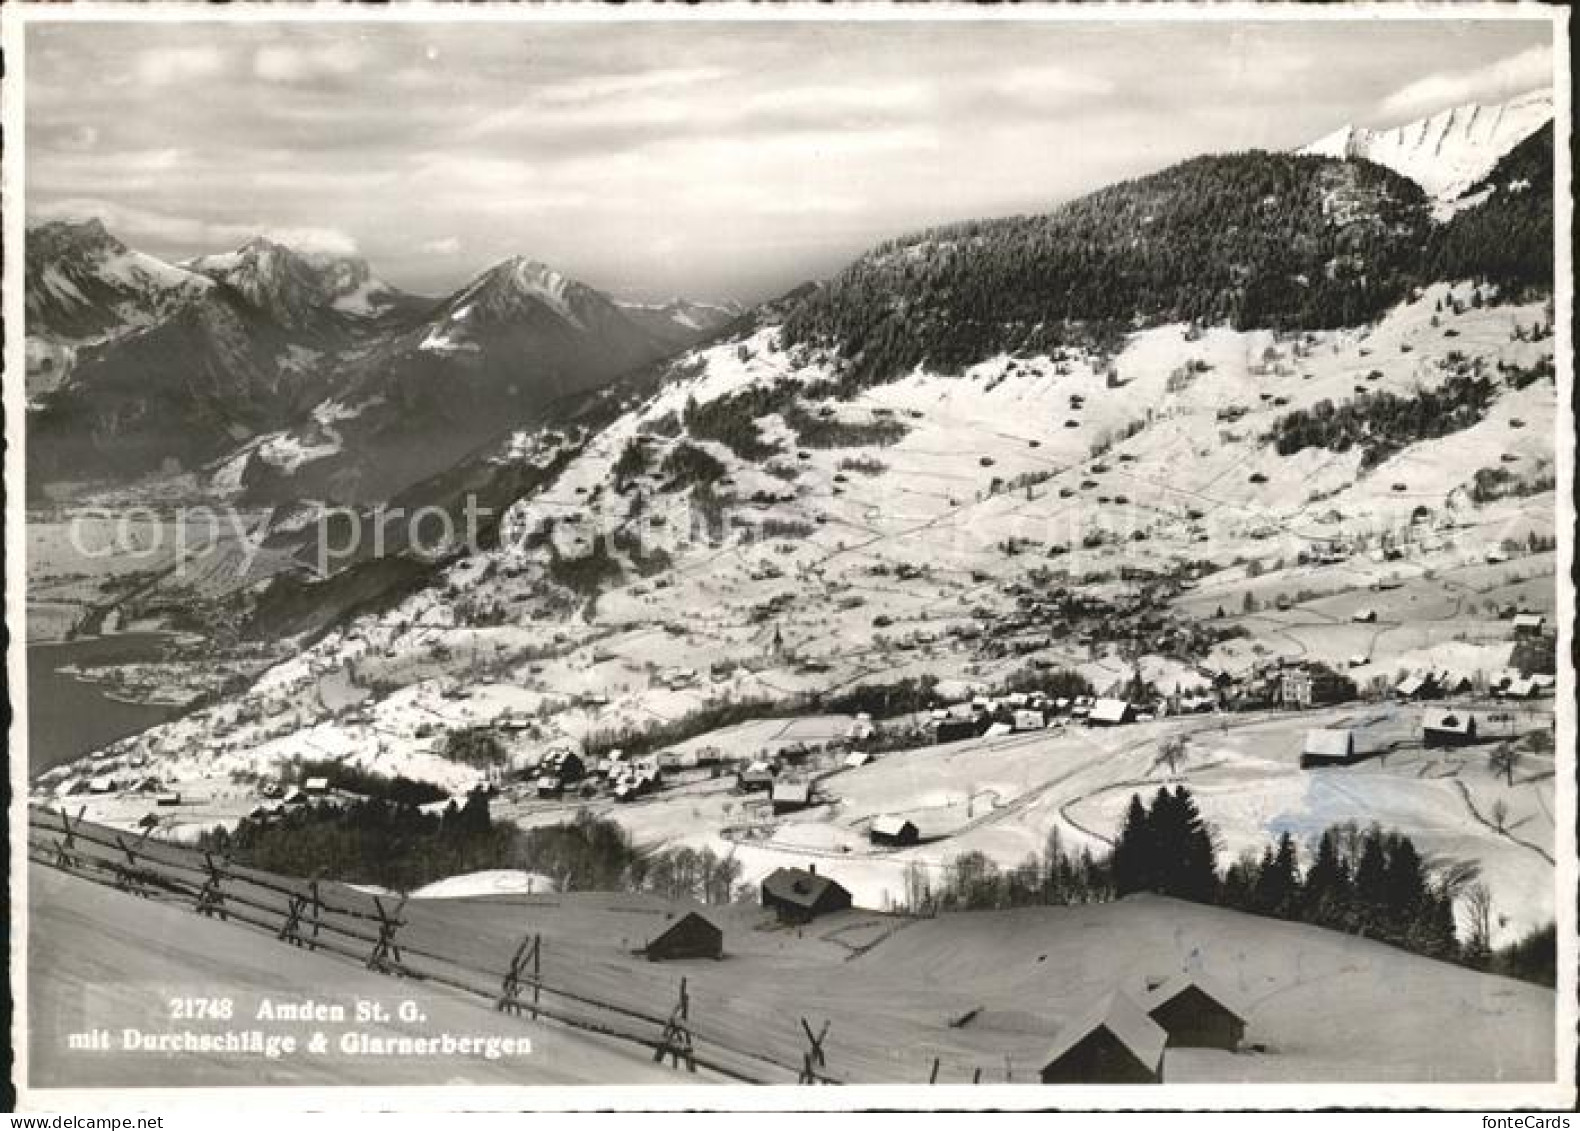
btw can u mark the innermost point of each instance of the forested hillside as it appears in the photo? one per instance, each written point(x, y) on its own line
point(1257, 240)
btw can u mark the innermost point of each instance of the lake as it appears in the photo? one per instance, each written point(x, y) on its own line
point(68, 718)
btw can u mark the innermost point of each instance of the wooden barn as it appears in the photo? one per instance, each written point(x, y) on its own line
point(955, 730)
point(895, 831)
point(1328, 746)
point(690, 936)
point(799, 895)
point(1114, 1042)
point(1448, 729)
point(791, 796)
point(1111, 713)
point(1195, 1013)
point(756, 778)
point(1528, 624)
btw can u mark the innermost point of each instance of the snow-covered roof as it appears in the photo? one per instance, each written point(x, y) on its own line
point(889, 825)
point(1529, 620)
point(1450, 722)
point(1110, 710)
point(1179, 983)
point(857, 758)
point(1411, 684)
point(1119, 1014)
point(792, 791)
point(1326, 742)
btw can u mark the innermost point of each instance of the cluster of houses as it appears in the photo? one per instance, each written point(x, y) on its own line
point(1444, 728)
point(280, 797)
point(993, 717)
point(558, 769)
point(1442, 683)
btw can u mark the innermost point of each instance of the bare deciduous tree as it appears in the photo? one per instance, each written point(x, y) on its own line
point(1504, 759)
point(1478, 909)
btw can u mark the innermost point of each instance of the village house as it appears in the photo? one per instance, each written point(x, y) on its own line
point(1113, 1042)
point(799, 895)
point(1528, 625)
point(790, 796)
point(1448, 729)
point(1415, 687)
point(1110, 712)
point(758, 777)
point(1295, 689)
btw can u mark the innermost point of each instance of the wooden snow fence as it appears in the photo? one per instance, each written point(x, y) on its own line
point(381, 932)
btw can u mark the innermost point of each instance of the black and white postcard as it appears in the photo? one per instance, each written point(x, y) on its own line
point(800, 558)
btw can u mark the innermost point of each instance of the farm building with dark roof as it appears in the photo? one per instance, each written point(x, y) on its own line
point(690, 936)
point(893, 830)
point(800, 895)
point(1114, 1042)
point(1195, 1013)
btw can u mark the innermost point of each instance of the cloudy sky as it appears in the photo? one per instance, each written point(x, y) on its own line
point(712, 159)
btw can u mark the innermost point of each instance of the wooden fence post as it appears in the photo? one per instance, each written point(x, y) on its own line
point(814, 1058)
point(128, 877)
point(509, 1000)
point(210, 898)
point(291, 931)
point(66, 846)
point(386, 956)
point(676, 1040)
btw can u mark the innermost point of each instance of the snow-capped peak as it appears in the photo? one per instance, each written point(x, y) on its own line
point(1448, 152)
point(292, 284)
point(505, 287)
point(84, 283)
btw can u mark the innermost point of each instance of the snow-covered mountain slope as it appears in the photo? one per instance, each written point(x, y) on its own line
point(83, 284)
point(816, 541)
point(1448, 152)
point(300, 290)
point(498, 354)
point(681, 321)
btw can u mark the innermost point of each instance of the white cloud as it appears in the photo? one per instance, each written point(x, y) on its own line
point(319, 241)
point(80, 139)
point(595, 87)
point(289, 63)
point(142, 228)
point(1049, 83)
point(855, 98)
point(446, 245)
point(164, 66)
point(1494, 82)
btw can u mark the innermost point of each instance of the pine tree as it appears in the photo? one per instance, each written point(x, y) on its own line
point(1135, 853)
point(1371, 883)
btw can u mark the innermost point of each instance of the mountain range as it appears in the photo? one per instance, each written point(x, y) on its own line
point(140, 366)
point(289, 375)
